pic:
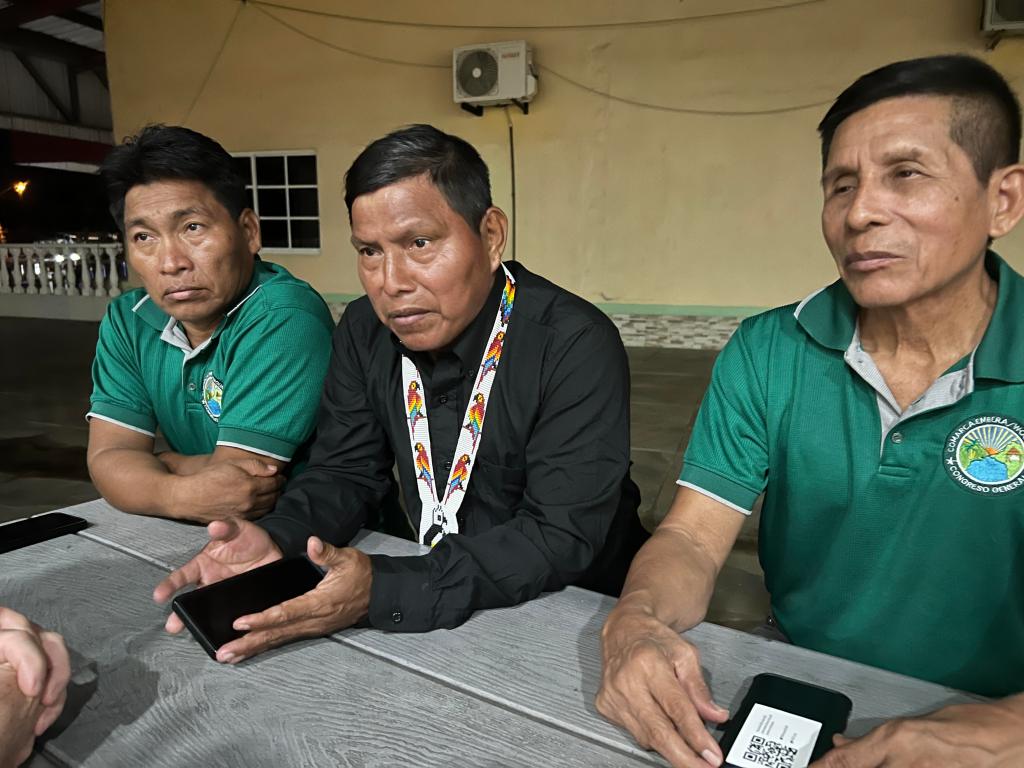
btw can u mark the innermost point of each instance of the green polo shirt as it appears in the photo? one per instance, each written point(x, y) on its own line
point(254, 384)
point(891, 538)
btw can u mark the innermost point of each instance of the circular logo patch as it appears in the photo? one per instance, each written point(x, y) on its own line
point(213, 396)
point(986, 454)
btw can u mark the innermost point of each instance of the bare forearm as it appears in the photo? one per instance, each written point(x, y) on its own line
point(134, 481)
point(671, 579)
point(1015, 704)
point(180, 464)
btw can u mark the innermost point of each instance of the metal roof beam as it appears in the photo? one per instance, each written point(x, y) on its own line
point(44, 46)
point(83, 19)
point(13, 16)
point(44, 86)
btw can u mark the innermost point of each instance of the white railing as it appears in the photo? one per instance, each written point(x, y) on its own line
point(73, 269)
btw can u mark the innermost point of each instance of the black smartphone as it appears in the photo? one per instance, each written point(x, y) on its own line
point(32, 530)
point(785, 723)
point(209, 611)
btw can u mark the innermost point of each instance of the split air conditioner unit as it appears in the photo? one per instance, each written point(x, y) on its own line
point(493, 74)
point(1003, 17)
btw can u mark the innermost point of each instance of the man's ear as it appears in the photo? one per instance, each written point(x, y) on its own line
point(250, 224)
point(494, 234)
point(1006, 196)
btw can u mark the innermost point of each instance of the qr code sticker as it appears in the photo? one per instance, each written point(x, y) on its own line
point(769, 754)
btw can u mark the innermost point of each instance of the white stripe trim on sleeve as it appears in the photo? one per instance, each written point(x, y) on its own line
point(253, 450)
point(101, 417)
point(716, 497)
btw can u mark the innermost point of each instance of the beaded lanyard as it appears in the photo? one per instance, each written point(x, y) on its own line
point(439, 515)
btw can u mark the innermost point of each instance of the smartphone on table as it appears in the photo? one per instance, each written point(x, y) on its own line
point(784, 723)
point(210, 611)
point(32, 530)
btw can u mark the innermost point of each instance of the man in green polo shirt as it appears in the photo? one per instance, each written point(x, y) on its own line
point(882, 418)
point(224, 353)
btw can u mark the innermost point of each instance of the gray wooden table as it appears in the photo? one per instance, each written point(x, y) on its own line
point(511, 687)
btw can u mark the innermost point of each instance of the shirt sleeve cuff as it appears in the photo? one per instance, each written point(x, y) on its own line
point(720, 488)
point(289, 535)
point(401, 599)
point(123, 417)
point(265, 445)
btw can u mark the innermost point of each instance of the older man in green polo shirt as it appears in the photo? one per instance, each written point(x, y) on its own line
point(883, 420)
point(224, 353)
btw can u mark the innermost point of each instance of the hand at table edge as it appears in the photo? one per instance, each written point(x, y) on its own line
point(18, 715)
point(653, 686)
point(340, 600)
point(981, 735)
point(40, 662)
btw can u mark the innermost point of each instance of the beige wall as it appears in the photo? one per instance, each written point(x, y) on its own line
point(620, 203)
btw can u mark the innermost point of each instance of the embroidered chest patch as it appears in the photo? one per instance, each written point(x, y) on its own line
point(985, 454)
point(213, 396)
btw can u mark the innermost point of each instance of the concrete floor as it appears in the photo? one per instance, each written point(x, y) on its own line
point(44, 395)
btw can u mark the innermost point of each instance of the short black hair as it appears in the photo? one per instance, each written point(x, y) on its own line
point(985, 120)
point(451, 163)
point(166, 152)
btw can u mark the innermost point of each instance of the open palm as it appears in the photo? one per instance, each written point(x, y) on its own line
point(235, 546)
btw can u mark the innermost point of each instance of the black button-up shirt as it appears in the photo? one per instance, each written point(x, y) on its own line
point(550, 501)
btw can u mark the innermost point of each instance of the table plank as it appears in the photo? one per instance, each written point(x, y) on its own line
point(164, 543)
point(158, 700)
point(39, 760)
point(549, 655)
point(170, 543)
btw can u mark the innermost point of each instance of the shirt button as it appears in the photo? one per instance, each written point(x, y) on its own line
point(897, 437)
point(191, 386)
point(396, 617)
point(447, 465)
point(442, 399)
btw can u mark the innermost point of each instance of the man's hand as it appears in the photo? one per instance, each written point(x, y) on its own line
point(960, 736)
point(235, 546)
point(18, 715)
point(34, 673)
point(40, 662)
point(653, 686)
point(337, 602)
point(244, 488)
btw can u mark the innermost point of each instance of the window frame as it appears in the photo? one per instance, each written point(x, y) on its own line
point(254, 185)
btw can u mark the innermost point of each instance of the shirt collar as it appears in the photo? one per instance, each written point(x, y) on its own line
point(147, 310)
point(829, 316)
point(998, 354)
point(468, 345)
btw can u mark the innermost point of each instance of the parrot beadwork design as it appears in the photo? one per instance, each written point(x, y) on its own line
point(423, 467)
point(492, 357)
point(415, 402)
point(507, 297)
point(458, 478)
point(475, 417)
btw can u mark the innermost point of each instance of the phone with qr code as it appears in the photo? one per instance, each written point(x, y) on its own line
point(783, 723)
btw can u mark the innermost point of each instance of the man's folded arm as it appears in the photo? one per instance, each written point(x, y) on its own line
point(350, 464)
point(130, 476)
point(577, 458)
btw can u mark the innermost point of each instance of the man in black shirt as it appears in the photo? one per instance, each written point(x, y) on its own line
point(503, 399)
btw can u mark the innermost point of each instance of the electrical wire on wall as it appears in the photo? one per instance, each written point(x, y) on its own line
point(213, 64)
point(258, 5)
point(568, 27)
point(512, 167)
